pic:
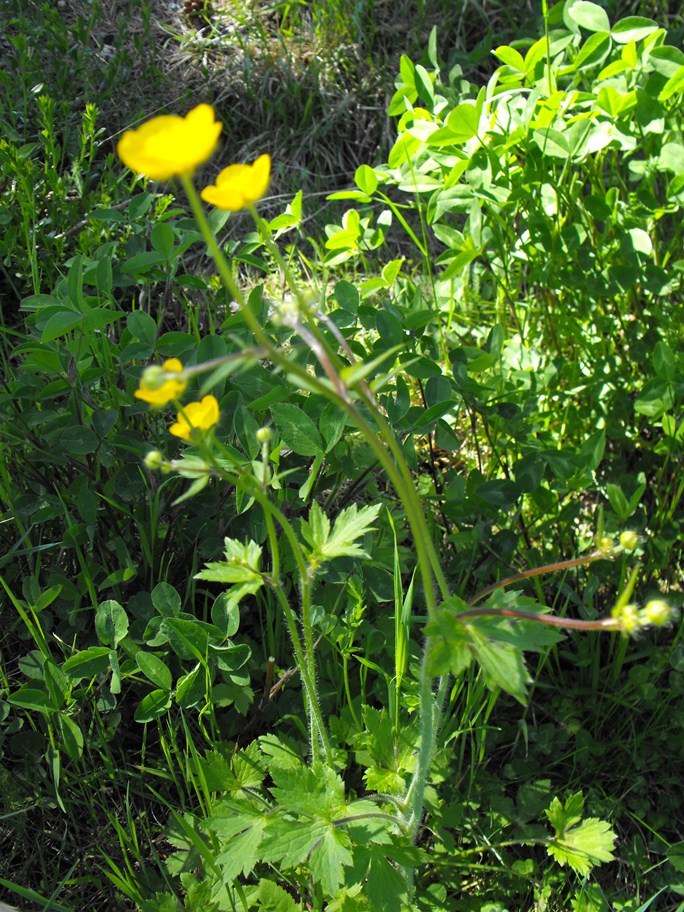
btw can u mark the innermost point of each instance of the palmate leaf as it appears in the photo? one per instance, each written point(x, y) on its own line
point(329, 857)
point(240, 566)
point(579, 845)
point(290, 842)
point(240, 827)
point(240, 569)
point(317, 791)
point(325, 847)
point(584, 846)
point(563, 816)
point(502, 665)
point(350, 525)
point(243, 851)
point(273, 898)
point(386, 888)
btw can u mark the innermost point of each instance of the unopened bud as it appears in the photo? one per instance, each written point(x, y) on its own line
point(629, 619)
point(153, 377)
point(629, 540)
point(264, 435)
point(154, 460)
point(657, 612)
point(606, 545)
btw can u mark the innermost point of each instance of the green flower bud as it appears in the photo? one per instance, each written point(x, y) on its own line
point(264, 435)
point(154, 460)
point(606, 545)
point(629, 540)
point(153, 377)
point(657, 612)
point(629, 619)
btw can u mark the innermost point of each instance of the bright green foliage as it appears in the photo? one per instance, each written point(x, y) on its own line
point(581, 844)
point(307, 820)
point(240, 569)
point(497, 644)
point(472, 377)
point(341, 540)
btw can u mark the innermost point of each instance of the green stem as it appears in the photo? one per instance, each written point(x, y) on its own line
point(308, 679)
point(264, 230)
point(392, 460)
point(271, 512)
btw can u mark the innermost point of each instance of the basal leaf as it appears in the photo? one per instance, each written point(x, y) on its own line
point(565, 815)
point(584, 846)
point(351, 524)
point(290, 842)
point(242, 851)
point(386, 888)
point(329, 857)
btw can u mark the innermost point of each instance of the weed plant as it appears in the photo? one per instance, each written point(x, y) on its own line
point(362, 632)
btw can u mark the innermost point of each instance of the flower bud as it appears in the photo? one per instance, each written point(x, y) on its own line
point(264, 435)
point(629, 619)
point(606, 545)
point(153, 377)
point(154, 460)
point(657, 612)
point(629, 540)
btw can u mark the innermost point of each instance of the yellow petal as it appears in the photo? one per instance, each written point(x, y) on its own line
point(169, 146)
point(238, 186)
point(196, 419)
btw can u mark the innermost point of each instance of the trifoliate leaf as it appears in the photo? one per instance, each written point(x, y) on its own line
point(111, 623)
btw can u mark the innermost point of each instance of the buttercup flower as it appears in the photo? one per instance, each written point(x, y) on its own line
point(196, 419)
point(155, 389)
point(238, 186)
point(169, 145)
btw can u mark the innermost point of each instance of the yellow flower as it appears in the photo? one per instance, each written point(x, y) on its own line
point(169, 145)
point(196, 419)
point(155, 389)
point(238, 186)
